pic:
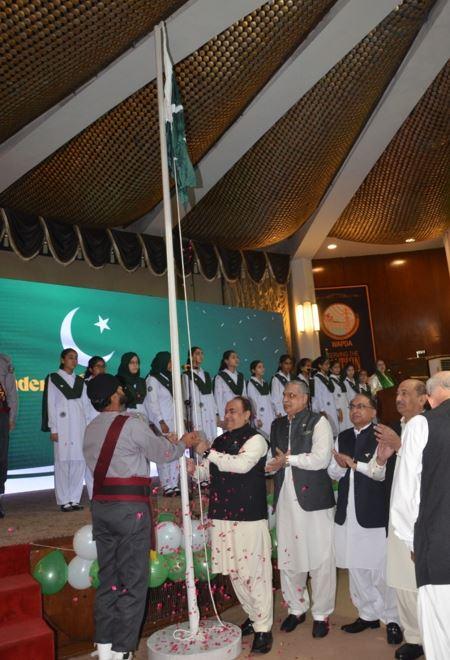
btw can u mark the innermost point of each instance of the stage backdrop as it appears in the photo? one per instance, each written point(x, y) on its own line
point(345, 325)
point(39, 320)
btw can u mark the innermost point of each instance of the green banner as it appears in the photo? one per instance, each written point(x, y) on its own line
point(39, 320)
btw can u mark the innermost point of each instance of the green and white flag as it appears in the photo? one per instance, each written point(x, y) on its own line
point(180, 166)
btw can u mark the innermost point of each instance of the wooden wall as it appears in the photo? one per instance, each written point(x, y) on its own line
point(409, 297)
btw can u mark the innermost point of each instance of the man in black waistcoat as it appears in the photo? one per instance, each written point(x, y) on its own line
point(301, 444)
point(361, 521)
point(240, 539)
point(420, 512)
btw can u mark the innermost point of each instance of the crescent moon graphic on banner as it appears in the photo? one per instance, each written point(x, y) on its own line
point(68, 341)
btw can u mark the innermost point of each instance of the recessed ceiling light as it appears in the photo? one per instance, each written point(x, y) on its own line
point(332, 246)
point(398, 262)
point(410, 240)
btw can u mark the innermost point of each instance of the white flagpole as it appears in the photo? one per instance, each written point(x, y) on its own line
point(194, 615)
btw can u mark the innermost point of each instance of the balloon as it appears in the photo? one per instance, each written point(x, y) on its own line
point(93, 574)
point(199, 535)
point(270, 499)
point(200, 565)
point(166, 516)
point(83, 543)
point(78, 574)
point(168, 538)
point(158, 570)
point(273, 536)
point(272, 517)
point(176, 565)
point(51, 572)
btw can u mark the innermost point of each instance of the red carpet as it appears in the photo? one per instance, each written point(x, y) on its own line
point(23, 632)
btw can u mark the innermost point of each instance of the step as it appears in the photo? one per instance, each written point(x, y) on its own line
point(20, 598)
point(14, 559)
point(30, 639)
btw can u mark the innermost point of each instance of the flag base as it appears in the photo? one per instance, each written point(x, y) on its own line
point(213, 642)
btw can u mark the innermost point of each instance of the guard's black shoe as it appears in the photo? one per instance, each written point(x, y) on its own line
point(359, 625)
point(320, 628)
point(409, 652)
point(292, 621)
point(168, 492)
point(262, 642)
point(247, 628)
point(75, 506)
point(394, 633)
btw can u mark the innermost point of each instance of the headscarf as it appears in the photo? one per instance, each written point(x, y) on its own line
point(134, 386)
point(159, 368)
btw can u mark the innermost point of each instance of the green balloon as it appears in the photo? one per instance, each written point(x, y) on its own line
point(158, 571)
point(273, 536)
point(51, 572)
point(200, 563)
point(176, 563)
point(166, 516)
point(270, 499)
point(93, 574)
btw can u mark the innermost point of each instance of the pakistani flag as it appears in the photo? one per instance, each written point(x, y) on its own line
point(180, 165)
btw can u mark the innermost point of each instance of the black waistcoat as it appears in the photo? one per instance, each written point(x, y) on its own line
point(313, 488)
point(235, 496)
point(371, 503)
point(432, 529)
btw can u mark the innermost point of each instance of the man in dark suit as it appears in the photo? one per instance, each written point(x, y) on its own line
point(361, 521)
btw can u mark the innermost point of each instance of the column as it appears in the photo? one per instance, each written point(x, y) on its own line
point(447, 248)
point(306, 341)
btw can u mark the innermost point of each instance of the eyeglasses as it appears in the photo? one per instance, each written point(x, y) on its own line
point(359, 406)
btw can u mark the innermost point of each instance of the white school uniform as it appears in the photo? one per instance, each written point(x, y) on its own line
point(202, 408)
point(160, 407)
point(277, 391)
point(263, 408)
point(223, 394)
point(323, 401)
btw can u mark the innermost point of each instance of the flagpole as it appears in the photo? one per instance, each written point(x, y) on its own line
point(194, 615)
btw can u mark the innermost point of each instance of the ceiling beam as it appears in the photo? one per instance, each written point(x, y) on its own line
point(194, 24)
point(347, 23)
point(426, 57)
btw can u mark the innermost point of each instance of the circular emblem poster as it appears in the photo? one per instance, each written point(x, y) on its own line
point(339, 321)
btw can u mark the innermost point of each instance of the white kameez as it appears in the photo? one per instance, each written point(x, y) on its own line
point(222, 392)
point(160, 407)
point(202, 411)
point(341, 401)
point(350, 391)
point(263, 408)
point(66, 417)
point(276, 393)
point(323, 401)
point(90, 413)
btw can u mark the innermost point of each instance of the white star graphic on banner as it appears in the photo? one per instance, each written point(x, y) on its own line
point(102, 324)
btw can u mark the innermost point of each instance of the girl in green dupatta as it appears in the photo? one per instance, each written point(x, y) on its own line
point(133, 384)
point(380, 380)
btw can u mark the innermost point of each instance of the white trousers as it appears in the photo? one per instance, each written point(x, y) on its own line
point(169, 474)
point(256, 595)
point(69, 479)
point(371, 596)
point(434, 620)
point(407, 612)
point(323, 590)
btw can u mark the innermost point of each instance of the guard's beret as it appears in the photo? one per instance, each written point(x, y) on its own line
point(100, 388)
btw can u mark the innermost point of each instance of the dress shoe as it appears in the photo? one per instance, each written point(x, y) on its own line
point(409, 652)
point(262, 642)
point(122, 655)
point(320, 628)
point(66, 508)
point(359, 625)
point(292, 621)
point(394, 633)
point(75, 506)
point(247, 628)
point(168, 492)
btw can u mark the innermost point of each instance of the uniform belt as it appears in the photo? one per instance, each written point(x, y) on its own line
point(135, 489)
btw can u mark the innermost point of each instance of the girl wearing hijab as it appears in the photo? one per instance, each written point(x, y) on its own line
point(159, 387)
point(259, 394)
point(228, 383)
point(133, 384)
point(63, 415)
point(340, 396)
point(279, 382)
point(198, 395)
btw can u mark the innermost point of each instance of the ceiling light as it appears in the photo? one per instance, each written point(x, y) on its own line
point(398, 262)
point(318, 269)
point(410, 240)
point(332, 246)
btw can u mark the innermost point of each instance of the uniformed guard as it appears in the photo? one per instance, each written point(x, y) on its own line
point(8, 415)
point(118, 447)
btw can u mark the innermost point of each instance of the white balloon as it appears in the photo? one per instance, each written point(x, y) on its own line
point(78, 573)
point(200, 535)
point(168, 538)
point(83, 543)
point(272, 516)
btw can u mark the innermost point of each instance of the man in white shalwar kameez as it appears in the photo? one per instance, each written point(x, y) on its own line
point(301, 444)
point(361, 519)
point(240, 539)
point(420, 513)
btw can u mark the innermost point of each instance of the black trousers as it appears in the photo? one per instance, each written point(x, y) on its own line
point(122, 534)
point(4, 446)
